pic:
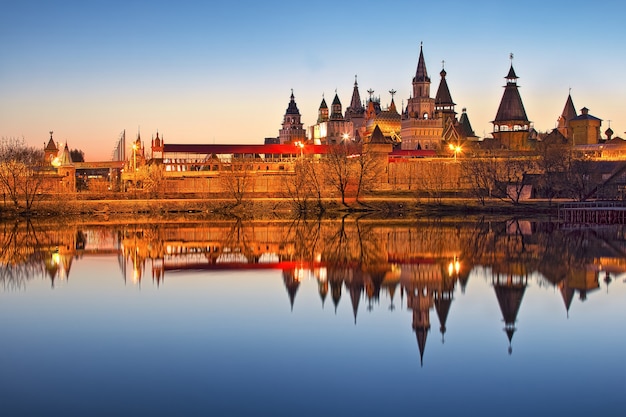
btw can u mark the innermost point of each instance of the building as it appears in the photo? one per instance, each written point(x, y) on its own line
point(582, 129)
point(388, 121)
point(419, 127)
point(431, 123)
point(585, 128)
point(292, 128)
point(511, 126)
point(331, 129)
point(355, 112)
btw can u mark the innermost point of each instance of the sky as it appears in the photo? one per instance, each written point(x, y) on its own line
point(222, 72)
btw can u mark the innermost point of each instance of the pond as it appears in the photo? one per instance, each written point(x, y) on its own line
point(336, 318)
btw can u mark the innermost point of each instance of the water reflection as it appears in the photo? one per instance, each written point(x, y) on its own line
point(417, 265)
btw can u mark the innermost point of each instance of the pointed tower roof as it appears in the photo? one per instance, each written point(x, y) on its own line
point(443, 97)
point(356, 106)
point(323, 104)
point(569, 111)
point(336, 109)
point(465, 125)
point(421, 75)
point(392, 107)
point(51, 146)
point(66, 157)
point(511, 106)
point(377, 136)
point(292, 108)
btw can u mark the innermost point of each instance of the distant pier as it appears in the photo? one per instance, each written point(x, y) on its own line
point(594, 212)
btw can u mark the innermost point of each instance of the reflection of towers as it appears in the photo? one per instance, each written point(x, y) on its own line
point(292, 283)
point(335, 278)
point(509, 291)
point(373, 285)
point(443, 300)
point(420, 300)
point(322, 283)
point(420, 281)
point(390, 283)
point(354, 284)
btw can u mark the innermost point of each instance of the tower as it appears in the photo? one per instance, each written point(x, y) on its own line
point(444, 106)
point(50, 150)
point(355, 112)
point(569, 113)
point(330, 129)
point(336, 113)
point(157, 147)
point(585, 128)
point(511, 126)
point(420, 129)
point(292, 130)
point(322, 112)
point(67, 171)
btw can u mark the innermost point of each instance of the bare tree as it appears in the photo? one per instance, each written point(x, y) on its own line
point(511, 177)
point(341, 171)
point(369, 169)
point(434, 177)
point(554, 162)
point(236, 182)
point(152, 178)
point(21, 176)
point(480, 173)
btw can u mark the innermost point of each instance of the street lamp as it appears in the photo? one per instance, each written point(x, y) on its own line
point(456, 149)
point(300, 145)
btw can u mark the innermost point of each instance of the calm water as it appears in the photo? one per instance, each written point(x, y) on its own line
point(343, 318)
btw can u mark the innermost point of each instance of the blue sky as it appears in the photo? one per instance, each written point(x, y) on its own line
point(206, 73)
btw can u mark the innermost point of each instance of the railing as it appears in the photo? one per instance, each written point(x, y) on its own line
point(593, 212)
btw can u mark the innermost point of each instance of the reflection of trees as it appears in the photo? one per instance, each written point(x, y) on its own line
point(20, 257)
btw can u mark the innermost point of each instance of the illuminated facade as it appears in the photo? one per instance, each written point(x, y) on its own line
point(330, 129)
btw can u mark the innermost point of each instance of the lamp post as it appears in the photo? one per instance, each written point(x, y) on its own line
point(455, 149)
point(300, 145)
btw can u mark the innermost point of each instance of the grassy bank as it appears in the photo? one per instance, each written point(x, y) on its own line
point(383, 206)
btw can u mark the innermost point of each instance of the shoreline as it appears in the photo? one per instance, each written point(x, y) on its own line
point(282, 208)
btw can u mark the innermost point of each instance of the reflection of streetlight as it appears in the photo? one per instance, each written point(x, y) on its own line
point(134, 157)
point(454, 267)
point(301, 146)
point(456, 149)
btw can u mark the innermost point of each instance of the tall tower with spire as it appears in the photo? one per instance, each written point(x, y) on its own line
point(420, 128)
point(511, 126)
point(292, 130)
point(355, 112)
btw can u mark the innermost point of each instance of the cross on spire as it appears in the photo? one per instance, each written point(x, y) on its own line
point(392, 92)
point(370, 91)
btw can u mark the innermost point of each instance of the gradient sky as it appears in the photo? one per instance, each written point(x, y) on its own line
point(222, 72)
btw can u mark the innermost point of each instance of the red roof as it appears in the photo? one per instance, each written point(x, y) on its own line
point(245, 149)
